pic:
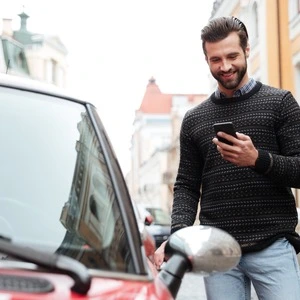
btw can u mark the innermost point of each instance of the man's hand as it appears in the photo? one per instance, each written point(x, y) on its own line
point(159, 255)
point(242, 153)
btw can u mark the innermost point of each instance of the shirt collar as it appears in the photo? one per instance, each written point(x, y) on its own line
point(241, 91)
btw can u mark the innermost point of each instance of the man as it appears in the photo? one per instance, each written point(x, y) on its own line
point(245, 188)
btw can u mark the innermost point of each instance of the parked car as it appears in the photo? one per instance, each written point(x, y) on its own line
point(160, 226)
point(157, 221)
point(144, 219)
point(67, 224)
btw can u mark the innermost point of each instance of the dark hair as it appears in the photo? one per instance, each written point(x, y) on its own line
point(219, 28)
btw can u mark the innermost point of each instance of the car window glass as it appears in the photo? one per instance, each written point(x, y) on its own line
point(56, 193)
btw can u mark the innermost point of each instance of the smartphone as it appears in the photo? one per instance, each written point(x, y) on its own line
point(226, 127)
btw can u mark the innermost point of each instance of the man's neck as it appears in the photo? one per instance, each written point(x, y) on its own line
point(243, 89)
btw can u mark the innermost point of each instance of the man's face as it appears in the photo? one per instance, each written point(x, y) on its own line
point(227, 63)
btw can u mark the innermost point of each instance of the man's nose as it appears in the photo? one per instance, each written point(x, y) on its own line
point(225, 66)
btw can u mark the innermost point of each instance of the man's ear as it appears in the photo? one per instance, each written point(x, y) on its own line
point(247, 50)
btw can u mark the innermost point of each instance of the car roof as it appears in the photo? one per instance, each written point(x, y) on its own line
point(31, 85)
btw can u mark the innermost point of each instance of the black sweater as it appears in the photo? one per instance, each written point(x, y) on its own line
point(255, 205)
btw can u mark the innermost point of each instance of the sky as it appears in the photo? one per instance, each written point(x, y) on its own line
point(116, 46)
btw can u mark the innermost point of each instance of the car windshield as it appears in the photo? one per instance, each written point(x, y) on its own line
point(56, 194)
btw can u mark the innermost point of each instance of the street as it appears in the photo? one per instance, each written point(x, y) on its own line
point(192, 288)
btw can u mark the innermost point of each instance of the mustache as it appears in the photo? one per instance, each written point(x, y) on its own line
point(231, 71)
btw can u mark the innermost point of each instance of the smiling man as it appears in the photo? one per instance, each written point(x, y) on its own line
point(244, 187)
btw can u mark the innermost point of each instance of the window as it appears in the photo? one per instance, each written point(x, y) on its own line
point(294, 9)
point(53, 72)
point(253, 30)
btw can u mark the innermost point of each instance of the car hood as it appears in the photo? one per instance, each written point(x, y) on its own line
point(101, 288)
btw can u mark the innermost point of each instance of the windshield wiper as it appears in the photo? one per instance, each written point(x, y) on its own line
point(57, 263)
point(5, 238)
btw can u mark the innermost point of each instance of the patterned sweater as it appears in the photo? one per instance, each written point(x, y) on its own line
point(255, 205)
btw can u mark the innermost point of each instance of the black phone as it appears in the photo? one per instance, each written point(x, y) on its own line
point(226, 127)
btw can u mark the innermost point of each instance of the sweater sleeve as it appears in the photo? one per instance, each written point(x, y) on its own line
point(188, 181)
point(284, 168)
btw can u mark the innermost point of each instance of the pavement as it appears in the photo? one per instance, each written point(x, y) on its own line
point(192, 288)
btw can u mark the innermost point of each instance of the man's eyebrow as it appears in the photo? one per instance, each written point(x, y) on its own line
point(233, 54)
point(214, 58)
point(228, 54)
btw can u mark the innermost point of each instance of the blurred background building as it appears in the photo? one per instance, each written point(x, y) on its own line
point(155, 145)
point(33, 55)
point(274, 33)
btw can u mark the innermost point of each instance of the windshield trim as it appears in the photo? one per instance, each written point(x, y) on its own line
point(121, 275)
point(122, 193)
point(40, 88)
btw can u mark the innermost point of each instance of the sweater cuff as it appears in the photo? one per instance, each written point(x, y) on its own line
point(264, 162)
point(177, 227)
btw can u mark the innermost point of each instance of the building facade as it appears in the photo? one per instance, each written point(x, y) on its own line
point(155, 145)
point(34, 55)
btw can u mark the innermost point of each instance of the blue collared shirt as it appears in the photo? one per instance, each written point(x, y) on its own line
point(242, 91)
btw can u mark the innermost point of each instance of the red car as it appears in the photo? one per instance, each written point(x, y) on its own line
point(67, 224)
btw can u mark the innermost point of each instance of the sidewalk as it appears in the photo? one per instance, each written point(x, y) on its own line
point(192, 288)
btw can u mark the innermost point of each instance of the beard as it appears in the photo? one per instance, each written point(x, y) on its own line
point(233, 83)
